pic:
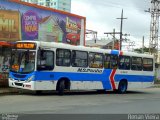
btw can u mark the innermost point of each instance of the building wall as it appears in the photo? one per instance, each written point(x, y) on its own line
point(158, 58)
point(31, 1)
point(64, 5)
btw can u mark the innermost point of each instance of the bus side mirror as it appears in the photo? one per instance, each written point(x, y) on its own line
point(156, 65)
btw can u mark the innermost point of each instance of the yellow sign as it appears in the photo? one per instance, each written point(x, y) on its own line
point(10, 25)
point(15, 67)
point(26, 46)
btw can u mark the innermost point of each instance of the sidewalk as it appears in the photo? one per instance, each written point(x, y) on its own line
point(4, 91)
point(157, 85)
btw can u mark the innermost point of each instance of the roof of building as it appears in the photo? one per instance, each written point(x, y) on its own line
point(98, 42)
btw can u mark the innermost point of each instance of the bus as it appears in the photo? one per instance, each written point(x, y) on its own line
point(43, 66)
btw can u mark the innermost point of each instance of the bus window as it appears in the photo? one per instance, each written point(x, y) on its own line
point(110, 61)
point(45, 60)
point(136, 63)
point(95, 60)
point(23, 61)
point(147, 64)
point(124, 62)
point(107, 61)
point(79, 59)
point(63, 57)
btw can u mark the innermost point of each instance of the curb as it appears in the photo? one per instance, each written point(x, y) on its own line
point(156, 85)
point(8, 91)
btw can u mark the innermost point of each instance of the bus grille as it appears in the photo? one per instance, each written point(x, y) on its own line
point(19, 76)
point(19, 84)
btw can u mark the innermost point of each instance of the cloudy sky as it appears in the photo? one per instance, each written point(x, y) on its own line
point(101, 17)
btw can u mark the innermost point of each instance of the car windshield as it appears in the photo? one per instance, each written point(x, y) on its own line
point(23, 61)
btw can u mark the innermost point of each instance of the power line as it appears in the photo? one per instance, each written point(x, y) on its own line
point(114, 38)
point(121, 5)
point(120, 33)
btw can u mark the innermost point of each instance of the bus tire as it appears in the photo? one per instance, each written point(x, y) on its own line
point(38, 92)
point(61, 87)
point(122, 87)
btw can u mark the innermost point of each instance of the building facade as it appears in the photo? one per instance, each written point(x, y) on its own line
point(64, 5)
point(103, 43)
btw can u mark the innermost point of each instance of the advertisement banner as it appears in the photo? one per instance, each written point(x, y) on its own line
point(28, 22)
point(10, 25)
point(30, 25)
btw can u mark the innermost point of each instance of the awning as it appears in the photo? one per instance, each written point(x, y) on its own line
point(4, 43)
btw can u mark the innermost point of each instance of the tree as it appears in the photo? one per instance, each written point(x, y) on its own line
point(139, 50)
point(145, 49)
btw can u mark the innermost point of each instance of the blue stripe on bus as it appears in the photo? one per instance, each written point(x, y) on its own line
point(134, 78)
point(115, 52)
point(104, 77)
point(19, 76)
point(91, 77)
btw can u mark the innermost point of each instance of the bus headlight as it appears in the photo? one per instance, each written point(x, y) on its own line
point(11, 79)
point(30, 78)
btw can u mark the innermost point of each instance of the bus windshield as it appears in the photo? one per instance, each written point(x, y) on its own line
point(23, 61)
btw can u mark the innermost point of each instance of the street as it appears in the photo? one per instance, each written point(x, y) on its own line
point(92, 102)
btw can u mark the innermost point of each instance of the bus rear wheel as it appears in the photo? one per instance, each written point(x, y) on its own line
point(122, 87)
point(61, 87)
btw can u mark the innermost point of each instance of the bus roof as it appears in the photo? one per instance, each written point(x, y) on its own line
point(83, 48)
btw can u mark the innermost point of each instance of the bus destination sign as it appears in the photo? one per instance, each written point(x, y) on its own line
point(26, 45)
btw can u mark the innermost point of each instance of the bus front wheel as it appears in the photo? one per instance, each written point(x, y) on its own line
point(122, 87)
point(61, 87)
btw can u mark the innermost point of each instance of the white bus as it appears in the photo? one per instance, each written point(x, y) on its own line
point(41, 66)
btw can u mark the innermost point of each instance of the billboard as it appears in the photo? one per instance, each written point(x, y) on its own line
point(10, 25)
point(32, 22)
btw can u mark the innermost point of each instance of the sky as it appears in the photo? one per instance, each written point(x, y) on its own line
point(101, 17)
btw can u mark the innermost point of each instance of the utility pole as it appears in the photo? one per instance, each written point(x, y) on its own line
point(113, 39)
point(112, 34)
point(154, 27)
point(93, 33)
point(143, 45)
point(121, 27)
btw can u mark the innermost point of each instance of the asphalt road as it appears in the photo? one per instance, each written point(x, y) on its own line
point(140, 101)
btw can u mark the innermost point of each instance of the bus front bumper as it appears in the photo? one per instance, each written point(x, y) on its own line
point(21, 84)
